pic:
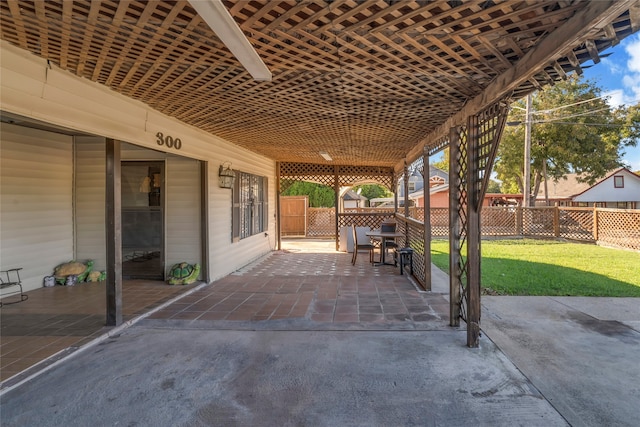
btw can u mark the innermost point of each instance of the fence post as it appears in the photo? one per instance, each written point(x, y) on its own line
point(518, 213)
point(556, 222)
point(595, 223)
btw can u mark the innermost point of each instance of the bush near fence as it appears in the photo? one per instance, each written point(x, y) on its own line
point(610, 227)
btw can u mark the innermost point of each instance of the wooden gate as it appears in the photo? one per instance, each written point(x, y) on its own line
point(293, 215)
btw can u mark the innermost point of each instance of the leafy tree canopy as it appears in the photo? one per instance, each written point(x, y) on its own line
point(373, 191)
point(320, 196)
point(443, 164)
point(574, 130)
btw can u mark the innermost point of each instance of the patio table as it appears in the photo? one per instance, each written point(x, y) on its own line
point(384, 236)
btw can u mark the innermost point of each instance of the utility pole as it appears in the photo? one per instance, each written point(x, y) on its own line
point(526, 186)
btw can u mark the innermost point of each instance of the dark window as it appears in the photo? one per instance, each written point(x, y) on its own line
point(618, 181)
point(250, 206)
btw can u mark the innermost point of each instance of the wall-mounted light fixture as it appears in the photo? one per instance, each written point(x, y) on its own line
point(226, 175)
point(326, 156)
point(218, 18)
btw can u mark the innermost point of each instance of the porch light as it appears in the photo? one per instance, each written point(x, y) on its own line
point(226, 175)
point(221, 22)
point(326, 156)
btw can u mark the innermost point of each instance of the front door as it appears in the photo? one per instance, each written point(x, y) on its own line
point(142, 220)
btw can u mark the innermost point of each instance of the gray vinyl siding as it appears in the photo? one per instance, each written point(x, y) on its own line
point(33, 88)
point(183, 240)
point(90, 179)
point(36, 204)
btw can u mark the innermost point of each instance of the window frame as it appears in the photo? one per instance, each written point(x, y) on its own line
point(250, 207)
point(618, 181)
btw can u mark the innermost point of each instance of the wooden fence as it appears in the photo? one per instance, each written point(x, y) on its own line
point(610, 227)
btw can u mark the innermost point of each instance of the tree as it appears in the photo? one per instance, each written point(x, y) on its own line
point(443, 164)
point(493, 187)
point(574, 130)
point(373, 191)
point(320, 196)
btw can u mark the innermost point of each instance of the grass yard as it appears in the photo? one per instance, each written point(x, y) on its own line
point(545, 267)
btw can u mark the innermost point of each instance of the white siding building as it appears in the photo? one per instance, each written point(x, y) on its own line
point(620, 190)
point(52, 180)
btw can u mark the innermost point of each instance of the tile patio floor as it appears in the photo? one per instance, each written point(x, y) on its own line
point(307, 285)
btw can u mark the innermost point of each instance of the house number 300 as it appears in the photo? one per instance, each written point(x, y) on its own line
point(168, 140)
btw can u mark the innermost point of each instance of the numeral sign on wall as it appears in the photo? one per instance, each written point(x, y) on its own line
point(168, 140)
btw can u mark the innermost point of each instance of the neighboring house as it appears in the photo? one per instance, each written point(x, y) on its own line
point(439, 193)
point(437, 177)
point(620, 190)
point(351, 200)
point(562, 191)
point(438, 188)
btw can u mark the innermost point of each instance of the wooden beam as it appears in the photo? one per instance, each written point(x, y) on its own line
point(454, 229)
point(113, 224)
point(204, 220)
point(278, 223)
point(634, 16)
point(593, 51)
point(427, 220)
point(336, 192)
point(594, 15)
point(473, 234)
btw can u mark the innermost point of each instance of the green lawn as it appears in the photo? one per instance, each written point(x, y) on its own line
point(543, 267)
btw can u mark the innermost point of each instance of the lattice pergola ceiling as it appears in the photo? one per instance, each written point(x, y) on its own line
point(366, 81)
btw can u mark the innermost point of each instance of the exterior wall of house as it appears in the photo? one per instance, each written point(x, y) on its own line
point(36, 202)
point(605, 190)
point(440, 199)
point(89, 213)
point(32, 88)
point(183, 236)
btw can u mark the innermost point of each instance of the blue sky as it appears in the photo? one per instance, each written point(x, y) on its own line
point(619, 77)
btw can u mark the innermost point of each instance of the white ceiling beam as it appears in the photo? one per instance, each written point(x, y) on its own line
point(221, 22)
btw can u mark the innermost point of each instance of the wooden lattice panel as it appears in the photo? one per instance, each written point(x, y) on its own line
point(365, 81)
point(537, 222)
point(619, 227)
point(575, 223)
point(327, 174)
point(439, 222)
point(487, 126)
point(372, 220)
point(321, 222)
point(415, 231)
point(498, 221)
point(416, 213)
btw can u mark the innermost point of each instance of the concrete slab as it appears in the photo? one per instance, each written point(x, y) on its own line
point(178, 377)
point(574, 351)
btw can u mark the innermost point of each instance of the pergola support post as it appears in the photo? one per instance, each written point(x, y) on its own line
point(473, 151)
point(336, 190)
point(278, 193)
point(473, 235)
point(456, 233)
point(113, 220)
point(406, 190)
point(427, 220)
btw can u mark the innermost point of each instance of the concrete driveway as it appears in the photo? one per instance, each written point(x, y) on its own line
point(581, 353)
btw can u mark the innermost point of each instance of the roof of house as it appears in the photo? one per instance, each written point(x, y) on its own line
point(583, 196)
point(564, 188)
point(352, 195)
point(569, 186)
